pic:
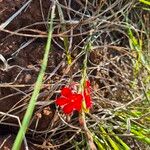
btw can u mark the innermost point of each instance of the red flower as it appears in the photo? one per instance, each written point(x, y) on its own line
point(86, 93)
point(71, 101)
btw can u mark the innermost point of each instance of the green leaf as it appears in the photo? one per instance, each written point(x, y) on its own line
point(31, 106)
point(145, 1)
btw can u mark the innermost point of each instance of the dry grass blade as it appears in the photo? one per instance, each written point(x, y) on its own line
point(8, 21)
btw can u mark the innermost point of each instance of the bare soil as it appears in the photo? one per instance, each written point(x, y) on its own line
point(24, 66)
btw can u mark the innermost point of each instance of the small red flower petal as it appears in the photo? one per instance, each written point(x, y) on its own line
point(78, 106)
point(62, 101)
point(88, 84)
point(66, 92)
point(68, 108)
point(78, 102)
point(88, 101)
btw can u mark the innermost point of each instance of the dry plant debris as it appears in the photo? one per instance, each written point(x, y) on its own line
point(110, 40)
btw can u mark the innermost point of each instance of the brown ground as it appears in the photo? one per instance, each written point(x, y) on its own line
point(24, 66)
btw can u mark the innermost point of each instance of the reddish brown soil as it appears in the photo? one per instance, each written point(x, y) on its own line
point(26, 58)
point(24, 67)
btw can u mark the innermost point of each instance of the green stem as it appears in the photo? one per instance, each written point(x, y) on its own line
point(65, 39)
point(82, 119)
point(31, 106)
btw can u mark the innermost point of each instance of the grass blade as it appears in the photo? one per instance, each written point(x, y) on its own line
point(30, 109)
